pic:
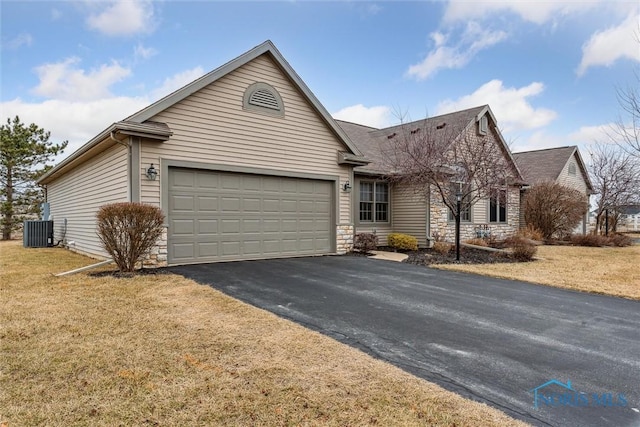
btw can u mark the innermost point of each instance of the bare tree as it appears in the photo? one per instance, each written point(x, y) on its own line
point(615, 175)
point(450, 158)
point(626, 130)
point(554, 209)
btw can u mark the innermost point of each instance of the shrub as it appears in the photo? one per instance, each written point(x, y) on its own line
point(521, 249)
point(403, 242)
point(594, 240)
point(477, 242)
point(365, 242)
point(621, 240)
point(442, 248)
point(128, 231)
point(530, 232)
point(554, 209)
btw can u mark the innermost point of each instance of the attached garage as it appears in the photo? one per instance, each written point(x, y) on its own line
point(227, 216)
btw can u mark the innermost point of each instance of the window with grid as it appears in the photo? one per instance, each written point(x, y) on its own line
point(498, 205)
point(374, 201)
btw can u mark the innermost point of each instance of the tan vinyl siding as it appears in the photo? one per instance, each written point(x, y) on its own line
point(480, 212)
point(211, 126)
point(382, 231)
point(77, 196)
point(574, 181)
point(409, 214)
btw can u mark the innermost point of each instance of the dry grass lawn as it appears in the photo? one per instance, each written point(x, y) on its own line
point(608, 271)
point(163, 350)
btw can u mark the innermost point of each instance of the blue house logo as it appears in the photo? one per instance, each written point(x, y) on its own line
point(568, 396)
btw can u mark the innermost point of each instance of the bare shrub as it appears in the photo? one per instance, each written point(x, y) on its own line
point(521, 248)
point(553, 209)
point(128, 231)
point(442, 248)
point(403, 242)
point(477, 242)
point(530, 232)
point(621, 240)
point(365, 242)
point(593, 240)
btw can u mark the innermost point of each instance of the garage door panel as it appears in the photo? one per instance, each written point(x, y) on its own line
point(217, 216)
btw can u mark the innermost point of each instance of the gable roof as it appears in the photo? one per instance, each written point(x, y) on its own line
point(369, 140)
point(141, 118)
point(547, 164)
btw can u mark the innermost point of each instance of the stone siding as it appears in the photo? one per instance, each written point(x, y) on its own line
point(344, 238)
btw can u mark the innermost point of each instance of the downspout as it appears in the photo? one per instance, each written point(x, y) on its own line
point(129, 162)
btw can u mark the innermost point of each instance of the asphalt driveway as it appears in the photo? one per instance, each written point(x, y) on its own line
point(487, 339)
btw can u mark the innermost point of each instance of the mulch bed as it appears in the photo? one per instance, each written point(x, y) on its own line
point(121, 275)
point(467, 256)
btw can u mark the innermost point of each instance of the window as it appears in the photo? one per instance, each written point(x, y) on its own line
point(263, 98)
point(483, 125)
point(465, 206)
point(572, 169)
point(374, 201)
point(498, 205)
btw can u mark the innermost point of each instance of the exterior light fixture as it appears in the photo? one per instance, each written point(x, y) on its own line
point(346, 186)
point(152, 173)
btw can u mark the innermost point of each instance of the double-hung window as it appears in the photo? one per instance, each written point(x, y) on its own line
point(498, 205)
point(374, 201)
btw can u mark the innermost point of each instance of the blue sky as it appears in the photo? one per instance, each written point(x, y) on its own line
point(549, 70)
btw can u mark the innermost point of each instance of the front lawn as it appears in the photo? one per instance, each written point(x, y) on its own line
point(607, 270)
point(163, 350)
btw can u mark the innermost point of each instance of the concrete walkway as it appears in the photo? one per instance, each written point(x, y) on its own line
point(389, 256)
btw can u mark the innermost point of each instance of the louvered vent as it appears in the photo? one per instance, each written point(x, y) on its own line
point(264, 98)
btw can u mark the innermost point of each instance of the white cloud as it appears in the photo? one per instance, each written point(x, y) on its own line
point(75, 121)
point(377, 117)
point(474, 39)
point(590, 134)
point(176, 81)
point(607, 46)
point(141, 52)
point(123, 17)
point(64, 80)
point(80, 118)
point(538, 12)
point(510, 105)
point(22, 39)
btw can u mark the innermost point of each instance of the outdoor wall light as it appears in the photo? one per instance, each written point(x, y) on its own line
point(152, 173)
point(346, 186)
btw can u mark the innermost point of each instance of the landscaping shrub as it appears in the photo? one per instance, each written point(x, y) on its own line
point(621, 240)
point(128, 231)
point(521, 249)
point(594, 240)
point(553, 209)
point(442, 248)
point(365, 242)
point(477, 242)
point(403, 242)
point(530, 232)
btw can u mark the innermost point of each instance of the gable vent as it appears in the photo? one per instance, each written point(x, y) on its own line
point(264, 98)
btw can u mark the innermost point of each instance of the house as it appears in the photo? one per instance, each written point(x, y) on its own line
point(381, 208)
point(629, 218)
point(246, 163)
point(563, 165)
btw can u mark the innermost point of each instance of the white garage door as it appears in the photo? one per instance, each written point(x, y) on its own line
point(225, 216)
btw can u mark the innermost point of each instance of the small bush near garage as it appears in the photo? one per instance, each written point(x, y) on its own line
point(365, 242)
point(553, 209)
point(128, 231)
point(402, 242)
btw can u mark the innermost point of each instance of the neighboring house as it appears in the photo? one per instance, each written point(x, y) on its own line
point(563, 165)
point(382, 209)
point(249, 165)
